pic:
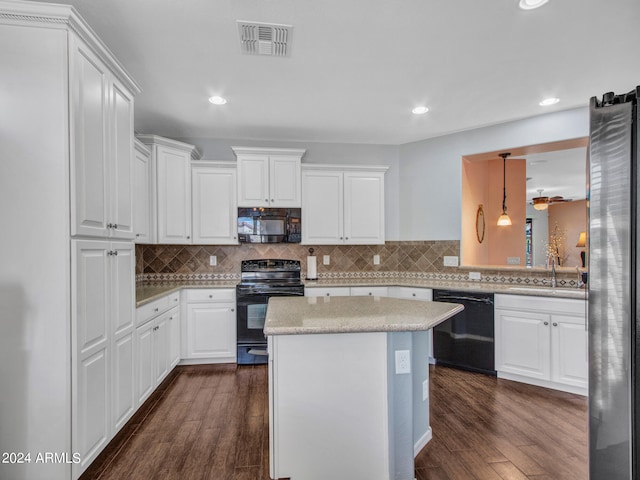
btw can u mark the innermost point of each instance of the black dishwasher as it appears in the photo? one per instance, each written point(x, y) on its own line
point(466, 340)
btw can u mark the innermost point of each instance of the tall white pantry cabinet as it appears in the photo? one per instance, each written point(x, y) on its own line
point(67, 277)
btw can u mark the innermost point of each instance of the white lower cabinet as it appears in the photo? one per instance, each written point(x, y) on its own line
point(209, 333)
point(157, 339)
point(102, 358)
point(542, 341)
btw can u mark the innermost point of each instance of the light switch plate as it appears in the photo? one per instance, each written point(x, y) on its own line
point(475, 275)
point(213, 260)
point(376, 259)
point(513, 260)
point(326, 259)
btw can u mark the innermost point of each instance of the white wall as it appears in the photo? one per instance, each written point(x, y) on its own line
point(431, 170)
point(324, 153)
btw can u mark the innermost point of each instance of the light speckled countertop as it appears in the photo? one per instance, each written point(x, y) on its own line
point(305, 315)
point(147, 292)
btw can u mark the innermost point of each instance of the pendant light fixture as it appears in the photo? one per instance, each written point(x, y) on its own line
point(504, 219)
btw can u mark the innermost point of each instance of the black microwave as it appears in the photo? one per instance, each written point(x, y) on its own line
point(269, 225)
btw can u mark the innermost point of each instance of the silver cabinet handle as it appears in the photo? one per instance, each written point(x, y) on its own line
point(555, 324)
point(115, 252)
point(137, 235)
point(328, 294)
point(115, 225)
point(233, 309)
point(413, 294)
point(546, 323)
point(370, 293)
point(272, 200)
point(188, 237)
point(210, 296)
point(156, 309)
point(266, 199)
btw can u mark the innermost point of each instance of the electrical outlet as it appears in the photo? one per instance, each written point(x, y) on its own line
point(403, 361)
point(326, 259)
point(213, 260)
point(450, 261)
point(376, 259)
point(475, 275)
point(425, 389)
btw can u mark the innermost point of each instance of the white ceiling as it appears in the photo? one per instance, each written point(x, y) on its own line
point(358, 67)
point(558, 173)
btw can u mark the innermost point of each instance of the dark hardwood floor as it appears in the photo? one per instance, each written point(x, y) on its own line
point(212, 422)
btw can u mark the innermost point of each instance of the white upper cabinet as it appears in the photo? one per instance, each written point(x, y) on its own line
point(343, 205)
point(269, 177)
point(214, 205)
point(171, 187)
point(364, 207)
point(101, 147)
point(142, 193)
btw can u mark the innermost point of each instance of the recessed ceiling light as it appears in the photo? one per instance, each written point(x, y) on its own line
point(420, 110)
point(217, 100)
point(549, 101)
point(531, 4)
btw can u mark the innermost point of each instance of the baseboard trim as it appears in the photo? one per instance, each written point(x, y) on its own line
point(422, 442)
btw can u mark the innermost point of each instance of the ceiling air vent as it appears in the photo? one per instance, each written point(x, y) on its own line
point(265, 38)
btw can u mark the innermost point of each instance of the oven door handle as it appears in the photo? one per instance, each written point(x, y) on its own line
point(258, 352)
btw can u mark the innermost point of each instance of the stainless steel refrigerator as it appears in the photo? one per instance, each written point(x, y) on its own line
point(613, 276)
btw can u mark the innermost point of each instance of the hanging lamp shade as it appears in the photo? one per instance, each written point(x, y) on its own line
point(540, 202)
point(504, 220)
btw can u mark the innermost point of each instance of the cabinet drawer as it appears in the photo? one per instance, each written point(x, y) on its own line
point(327, 292)
point(413, 293)
point(211, 295)
point(375, 291)
point(148, 311)
point(541, 304)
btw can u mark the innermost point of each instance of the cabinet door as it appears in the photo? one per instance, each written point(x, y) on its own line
point(215, 212)
point(211, 331)
point(91, 362)
point(144, 360)
point(569, 356)
point(174, 195)
point(363, 208)
point(523, 343)
point(253, 181)
point(284, 181)
point(120, 166)
point(89, 81)
point(161, 347)
point(122, 301)
point(322, 208)
point(142, 195)
point(174, 328)
point(123, 386)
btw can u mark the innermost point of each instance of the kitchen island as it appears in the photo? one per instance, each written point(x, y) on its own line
point(348, 385)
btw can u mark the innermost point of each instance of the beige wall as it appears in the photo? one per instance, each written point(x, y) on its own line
point(571, 218)
point(482, 183)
